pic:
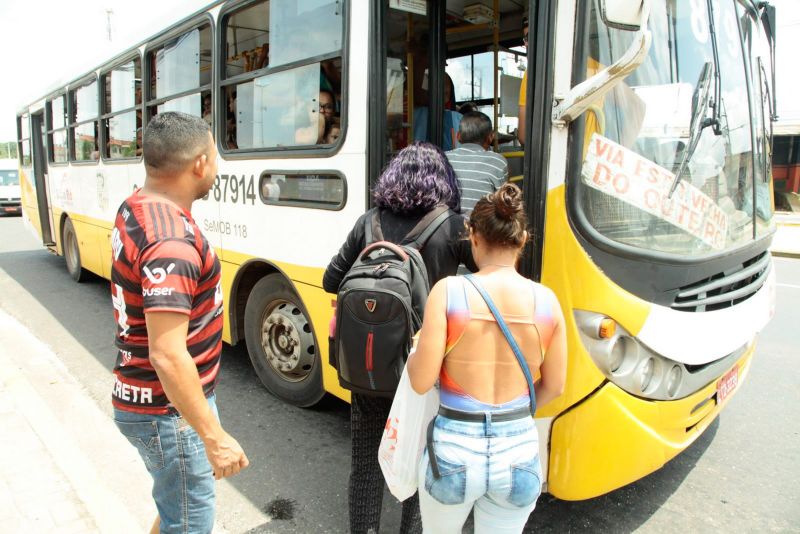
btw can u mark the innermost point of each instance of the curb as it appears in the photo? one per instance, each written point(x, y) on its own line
point(785, 254)
point(39, 375)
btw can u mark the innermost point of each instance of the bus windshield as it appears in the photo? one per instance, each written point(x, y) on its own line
point(9, 178)
point(689, 106)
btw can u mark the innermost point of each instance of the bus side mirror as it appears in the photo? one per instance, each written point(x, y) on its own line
point(628, 15)
point(769, 24)
point(622, 14)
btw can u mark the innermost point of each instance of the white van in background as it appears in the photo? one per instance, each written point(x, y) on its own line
point(9, 187)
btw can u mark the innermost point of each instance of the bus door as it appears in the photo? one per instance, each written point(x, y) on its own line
point(439, 59)
point(40, 177)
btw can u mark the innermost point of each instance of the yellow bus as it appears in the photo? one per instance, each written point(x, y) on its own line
point(646, 176)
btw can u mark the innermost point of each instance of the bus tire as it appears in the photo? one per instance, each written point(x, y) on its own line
point(281, 343)
point(72, 253)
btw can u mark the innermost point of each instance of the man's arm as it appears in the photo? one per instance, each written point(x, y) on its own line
point(166, 332)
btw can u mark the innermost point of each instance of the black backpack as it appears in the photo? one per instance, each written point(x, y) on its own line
point(379, 306)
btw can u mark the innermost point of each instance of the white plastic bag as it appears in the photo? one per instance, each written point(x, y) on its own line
point(404, 437)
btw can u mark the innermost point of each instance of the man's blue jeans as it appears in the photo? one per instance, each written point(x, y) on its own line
point(183, 481)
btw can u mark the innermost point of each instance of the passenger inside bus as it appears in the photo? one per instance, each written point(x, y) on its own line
point(452, 118)
point(333, 129)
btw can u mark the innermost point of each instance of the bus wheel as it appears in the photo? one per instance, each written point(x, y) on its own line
point(72, 253)
point(281, 343)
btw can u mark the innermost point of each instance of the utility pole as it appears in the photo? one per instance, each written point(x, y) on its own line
point(109, 12)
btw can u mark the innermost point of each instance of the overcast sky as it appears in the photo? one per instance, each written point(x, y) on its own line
point(45, 42)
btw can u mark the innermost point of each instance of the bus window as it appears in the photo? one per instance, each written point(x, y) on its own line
point(468, 80)
point(312, 190)
point(294, 106)
point(57, 133)
point(122, 117)
point(83, 126)
point(24, 141)
point(181, 65)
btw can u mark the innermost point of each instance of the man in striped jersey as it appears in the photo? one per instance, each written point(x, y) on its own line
point(479, 170)
point(167, 297)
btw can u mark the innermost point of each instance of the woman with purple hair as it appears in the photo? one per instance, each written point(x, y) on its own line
point(415, 182)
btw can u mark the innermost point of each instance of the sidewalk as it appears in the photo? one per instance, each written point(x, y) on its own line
point(54, 444)
point(786, 242)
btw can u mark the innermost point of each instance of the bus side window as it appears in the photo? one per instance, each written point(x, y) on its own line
point(122, 116)
point(269, 105)
point(83, 118)
point(57, 133)
point(180, 71)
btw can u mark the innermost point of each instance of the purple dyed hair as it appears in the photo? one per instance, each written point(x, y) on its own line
point(418, 178)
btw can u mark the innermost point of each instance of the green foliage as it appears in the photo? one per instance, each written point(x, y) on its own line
point(8, 149)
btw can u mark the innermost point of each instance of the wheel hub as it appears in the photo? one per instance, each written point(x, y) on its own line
point(287, 341)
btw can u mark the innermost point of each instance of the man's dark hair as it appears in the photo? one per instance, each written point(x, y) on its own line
point(475, 127)
point(172, 140)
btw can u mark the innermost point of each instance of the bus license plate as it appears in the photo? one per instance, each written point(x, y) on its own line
point(727, 384)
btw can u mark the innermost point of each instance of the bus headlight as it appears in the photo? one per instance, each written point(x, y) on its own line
point(637, 369)
point(674, 380)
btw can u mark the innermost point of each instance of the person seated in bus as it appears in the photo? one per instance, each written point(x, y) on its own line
point(333, 129)
point(480, 171)
point(417, 180)
point(327, 104)
point(467, 107)
point(206, 113)
point(452, 118)
point(230, 121)
point(484, 439)
point(330, 77)
point(139, 141)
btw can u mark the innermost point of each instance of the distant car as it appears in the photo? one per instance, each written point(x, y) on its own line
point(9, 187)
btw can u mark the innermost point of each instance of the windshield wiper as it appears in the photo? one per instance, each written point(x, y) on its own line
point(701, 102)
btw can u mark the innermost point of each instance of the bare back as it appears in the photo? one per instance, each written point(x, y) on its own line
point(479, 358)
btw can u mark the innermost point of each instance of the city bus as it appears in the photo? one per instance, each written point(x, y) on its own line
point(646, 175)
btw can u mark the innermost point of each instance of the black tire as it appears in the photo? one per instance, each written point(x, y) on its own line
point(72, 253)
point(281, 342)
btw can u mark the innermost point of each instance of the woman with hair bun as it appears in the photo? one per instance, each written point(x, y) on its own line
point(418, 180)
point(483, 448)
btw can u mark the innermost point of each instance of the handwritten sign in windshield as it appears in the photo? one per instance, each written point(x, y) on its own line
point(627, 176)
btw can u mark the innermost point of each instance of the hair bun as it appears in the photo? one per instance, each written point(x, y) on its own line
point(507, 201)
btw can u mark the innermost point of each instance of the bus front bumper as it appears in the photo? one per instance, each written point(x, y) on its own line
point(613, 438)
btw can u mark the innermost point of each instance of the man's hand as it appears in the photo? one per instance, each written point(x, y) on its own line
point(225, 455)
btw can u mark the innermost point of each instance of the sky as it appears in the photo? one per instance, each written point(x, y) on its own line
point(45, 42)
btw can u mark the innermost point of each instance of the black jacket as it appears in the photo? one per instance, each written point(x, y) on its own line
point(444, 251)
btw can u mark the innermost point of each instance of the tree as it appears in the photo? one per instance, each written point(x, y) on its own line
point(8, 149)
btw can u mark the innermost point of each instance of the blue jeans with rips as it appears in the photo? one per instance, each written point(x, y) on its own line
point(183, 481)
point(493, 467)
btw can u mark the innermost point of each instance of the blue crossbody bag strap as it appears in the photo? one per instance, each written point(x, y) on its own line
point(511, 341)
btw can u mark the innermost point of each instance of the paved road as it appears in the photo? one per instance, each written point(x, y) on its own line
point(740, 476)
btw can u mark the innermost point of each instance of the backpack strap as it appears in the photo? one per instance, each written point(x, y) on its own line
point(425, 228)
point(372, 228)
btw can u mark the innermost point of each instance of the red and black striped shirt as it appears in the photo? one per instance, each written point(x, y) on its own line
point(161, 262)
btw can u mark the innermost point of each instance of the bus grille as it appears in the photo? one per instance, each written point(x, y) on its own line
point(725, 289)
